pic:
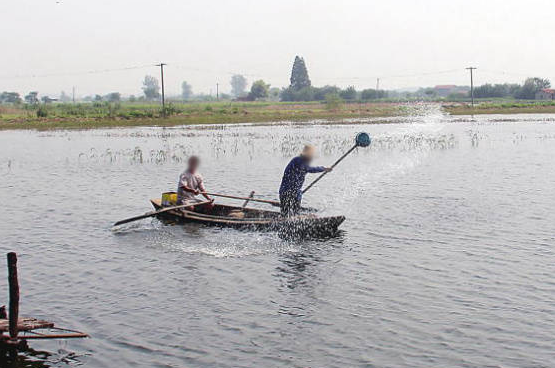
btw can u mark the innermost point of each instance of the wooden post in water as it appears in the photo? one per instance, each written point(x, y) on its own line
point(14, 294)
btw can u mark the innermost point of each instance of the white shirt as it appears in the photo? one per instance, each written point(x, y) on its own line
point(191, 181)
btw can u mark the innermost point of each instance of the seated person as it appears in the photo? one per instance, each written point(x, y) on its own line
point(191, 184)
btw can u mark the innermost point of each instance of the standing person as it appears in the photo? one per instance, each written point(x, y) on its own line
point(191, 183)
point(290, 191)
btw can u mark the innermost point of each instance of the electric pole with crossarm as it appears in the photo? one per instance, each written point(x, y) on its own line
point(161, 65)
point(471, 68)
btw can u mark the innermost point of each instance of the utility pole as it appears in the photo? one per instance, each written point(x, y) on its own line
point(73, 94)
point(161, 65)
point(471, 68)
point(217, 91)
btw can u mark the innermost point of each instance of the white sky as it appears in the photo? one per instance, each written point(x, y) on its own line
point(349, 42)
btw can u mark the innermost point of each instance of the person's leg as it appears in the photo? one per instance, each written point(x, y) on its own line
point(286, 204)
point(295, 206)
point(283, 204)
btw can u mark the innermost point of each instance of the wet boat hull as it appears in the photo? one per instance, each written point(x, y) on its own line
point(258, 220)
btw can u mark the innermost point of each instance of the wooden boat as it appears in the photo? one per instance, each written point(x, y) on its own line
point(255, 219)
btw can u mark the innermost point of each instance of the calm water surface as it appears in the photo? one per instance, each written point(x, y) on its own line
point(446, 258)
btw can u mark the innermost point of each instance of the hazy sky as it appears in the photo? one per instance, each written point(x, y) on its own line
point(406, 43)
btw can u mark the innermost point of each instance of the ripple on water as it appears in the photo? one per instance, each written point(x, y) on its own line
point(444, 259)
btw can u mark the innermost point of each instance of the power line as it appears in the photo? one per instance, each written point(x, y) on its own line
point(422, 74)
point(501, 72)
point(64, 74)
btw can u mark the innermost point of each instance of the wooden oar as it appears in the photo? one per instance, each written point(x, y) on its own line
point(361, 140)
point(267, 201)
point(165, 209)
point(273, 203)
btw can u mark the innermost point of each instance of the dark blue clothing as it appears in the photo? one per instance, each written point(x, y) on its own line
point(290, 204)
point(293, 177)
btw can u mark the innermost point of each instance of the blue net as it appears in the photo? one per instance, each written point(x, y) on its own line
point(363, 140)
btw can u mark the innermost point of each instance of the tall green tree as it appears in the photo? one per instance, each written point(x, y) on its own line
point(113, 97)
point(259, 89)
point(151, 88)
point(349, 93)
point(372, 94)
point(531, 86)
point(186, 90)
point(32, 98)
point(10, 97)
point(238, 85)
point(299, 75)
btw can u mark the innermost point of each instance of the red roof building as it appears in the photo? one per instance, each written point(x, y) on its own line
point(546, 94)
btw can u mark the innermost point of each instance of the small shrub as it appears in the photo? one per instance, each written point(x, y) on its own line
point(42, 112)
point(171, 109)
point(333, 101)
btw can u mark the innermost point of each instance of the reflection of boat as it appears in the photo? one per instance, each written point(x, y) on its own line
point(255, 219)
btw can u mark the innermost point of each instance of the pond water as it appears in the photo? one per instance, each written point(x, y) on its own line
point(446, 257)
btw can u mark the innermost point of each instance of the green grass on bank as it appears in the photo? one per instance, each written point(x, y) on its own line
point(125, 114)
point(502, 107)
point(103, 114)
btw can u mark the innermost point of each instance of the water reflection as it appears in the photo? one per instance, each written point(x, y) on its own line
point(301, 269)
point(31, 358)
point(442, 221)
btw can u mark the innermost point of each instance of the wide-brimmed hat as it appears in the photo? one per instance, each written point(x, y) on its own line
point(309, 151)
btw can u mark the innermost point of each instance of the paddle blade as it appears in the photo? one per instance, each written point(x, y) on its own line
point(131, 219)
point(165, 209)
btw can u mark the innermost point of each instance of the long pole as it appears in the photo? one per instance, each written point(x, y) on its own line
point(217, 91)
point(471, 68)
point(161, 65)
point(332, 166)
point(14, 294)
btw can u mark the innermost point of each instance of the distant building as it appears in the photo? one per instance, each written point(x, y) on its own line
point(546, 94)
point(47, 99)
point(449, 89)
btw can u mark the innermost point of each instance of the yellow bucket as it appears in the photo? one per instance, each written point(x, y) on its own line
point(169, 199)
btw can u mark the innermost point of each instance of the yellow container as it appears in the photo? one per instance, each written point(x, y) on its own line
point(169, 199)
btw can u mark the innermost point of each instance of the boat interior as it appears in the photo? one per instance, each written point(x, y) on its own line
point(234, 212)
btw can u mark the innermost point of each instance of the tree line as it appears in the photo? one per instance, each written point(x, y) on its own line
point(525, 91)
point(300, 89)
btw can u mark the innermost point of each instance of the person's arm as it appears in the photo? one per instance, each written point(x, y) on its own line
point(203, 191)
point(190, 190)
point(315, 169)
point(183, 185)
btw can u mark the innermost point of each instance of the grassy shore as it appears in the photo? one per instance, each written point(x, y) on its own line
point(105, 115)
point(100, 115)
point(506, 107)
